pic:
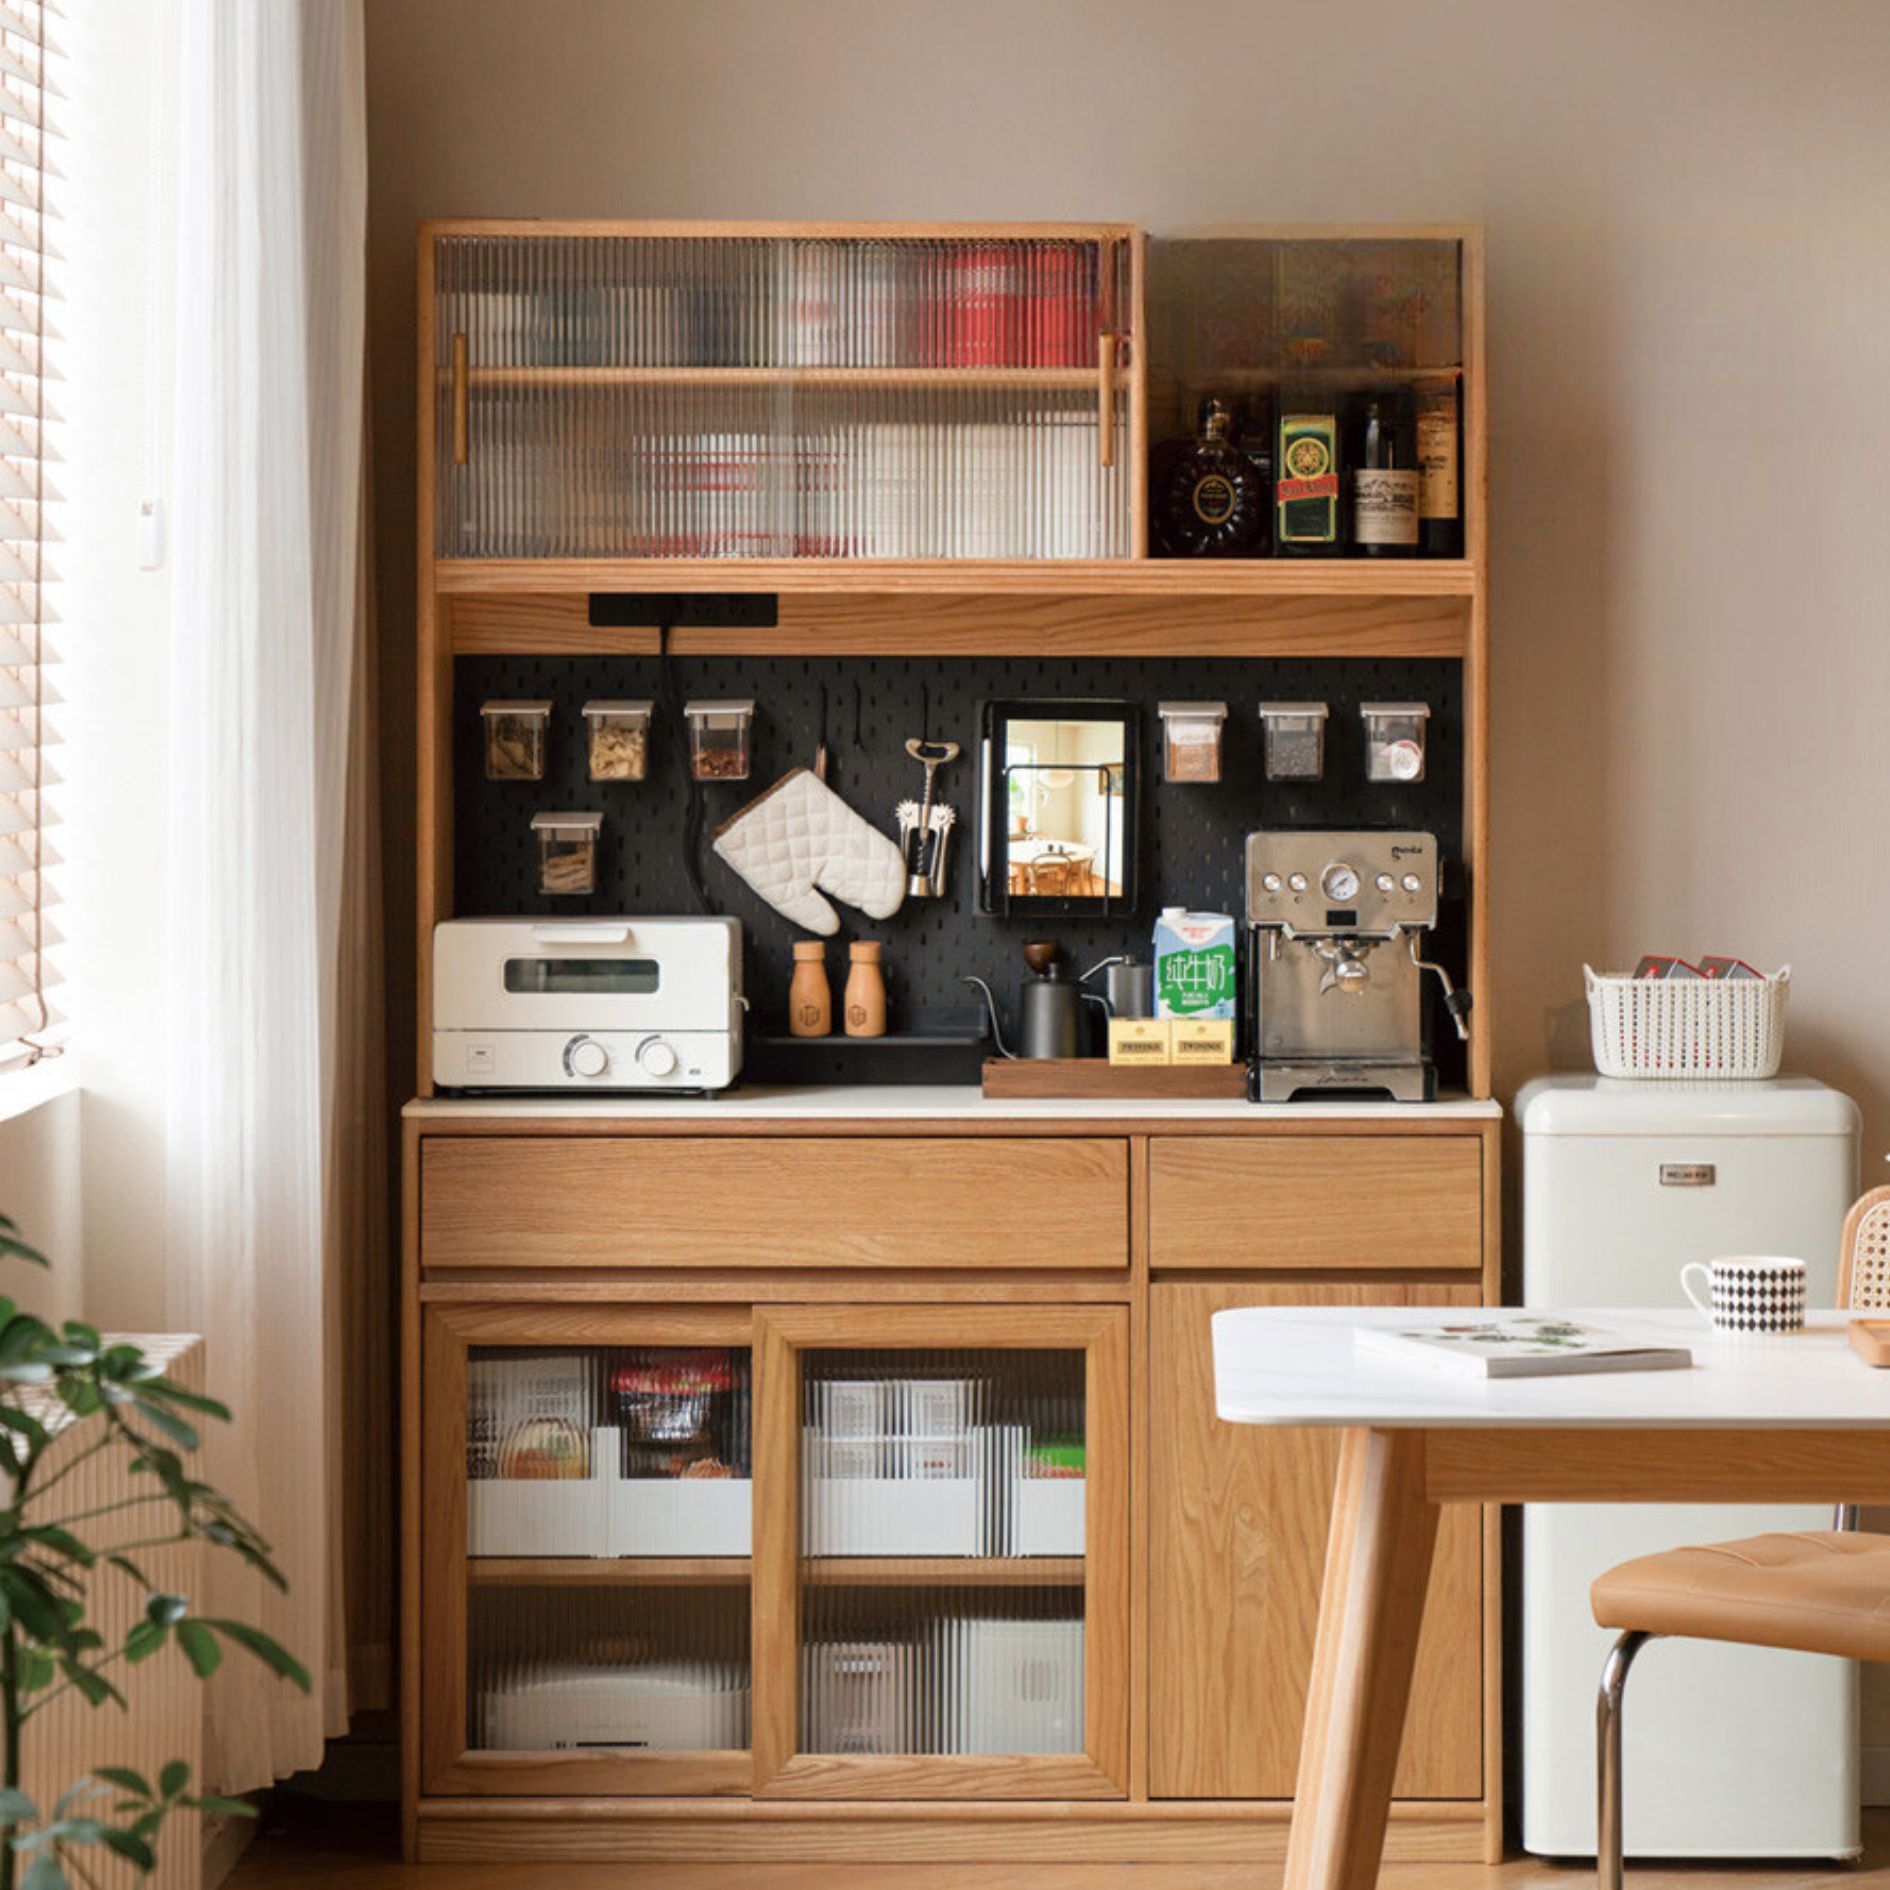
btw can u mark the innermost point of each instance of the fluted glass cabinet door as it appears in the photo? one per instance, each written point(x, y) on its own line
point(753, 392)
point(941, 1559)
point(588, 1522)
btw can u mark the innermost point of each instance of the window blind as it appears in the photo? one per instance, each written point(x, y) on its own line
point(29, 1020)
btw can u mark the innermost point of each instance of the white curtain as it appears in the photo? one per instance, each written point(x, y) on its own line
point(269, 162)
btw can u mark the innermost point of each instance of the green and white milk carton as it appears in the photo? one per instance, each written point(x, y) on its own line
point(1194, 964)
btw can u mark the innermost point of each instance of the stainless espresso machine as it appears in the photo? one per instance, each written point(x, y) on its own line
point(1336, 931)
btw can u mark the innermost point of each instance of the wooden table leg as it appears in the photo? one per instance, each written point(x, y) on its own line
point(1371, 1602)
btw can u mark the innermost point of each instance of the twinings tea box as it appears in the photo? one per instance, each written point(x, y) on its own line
point(1138, 1040)
point(1194, 964)
point(1201, 1040)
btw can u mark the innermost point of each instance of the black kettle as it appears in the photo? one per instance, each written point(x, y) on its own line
point(1049, 1006)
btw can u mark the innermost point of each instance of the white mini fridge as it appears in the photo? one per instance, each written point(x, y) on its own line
point(1730, 1751)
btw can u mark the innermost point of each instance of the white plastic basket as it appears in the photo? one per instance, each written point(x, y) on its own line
point(1711, 1029)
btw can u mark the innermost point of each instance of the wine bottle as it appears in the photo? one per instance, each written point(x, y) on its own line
point(1306, 478)
point(1439, 454)
point(1213, 502)
point(1384, 478)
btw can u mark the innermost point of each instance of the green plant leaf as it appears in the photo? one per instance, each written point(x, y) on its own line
point(51, 1536)
point(223, 1807)
point(126, 1780)
point(166, 1610)
point(17, 1807)
point(184, 1436)
point(174, 1777)
point(129, 1845)
point(44, 1873)
point(143, 1640)
point(270, 1652)
point(200, 1648)
point(173, 1393)
point(25, 1423)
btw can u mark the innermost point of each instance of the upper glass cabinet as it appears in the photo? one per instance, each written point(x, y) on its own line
point(714, 396)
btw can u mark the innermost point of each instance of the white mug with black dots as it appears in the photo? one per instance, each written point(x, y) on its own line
point(1749, 1295)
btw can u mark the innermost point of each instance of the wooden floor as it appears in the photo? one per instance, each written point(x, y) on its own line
point(309, 1845)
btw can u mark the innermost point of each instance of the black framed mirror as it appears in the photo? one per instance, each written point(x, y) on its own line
point(1059, 798)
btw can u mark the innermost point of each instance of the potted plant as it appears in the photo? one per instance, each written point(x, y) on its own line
point(66, 1395)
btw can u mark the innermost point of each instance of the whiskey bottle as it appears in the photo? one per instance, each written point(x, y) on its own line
point(1213, 502)
point(1384, 478)
point(1306, 478)
point(1439, 454)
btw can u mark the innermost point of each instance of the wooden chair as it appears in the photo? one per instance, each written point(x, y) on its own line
point(1050, 874)
point(1823, 1591)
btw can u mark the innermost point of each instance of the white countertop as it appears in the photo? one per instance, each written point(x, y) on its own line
point(1297, 1365)
point(920, 1101)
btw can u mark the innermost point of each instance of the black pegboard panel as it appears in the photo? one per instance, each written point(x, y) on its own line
point(1192, 841)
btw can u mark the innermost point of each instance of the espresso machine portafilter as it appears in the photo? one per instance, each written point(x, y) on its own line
point(1337, 924)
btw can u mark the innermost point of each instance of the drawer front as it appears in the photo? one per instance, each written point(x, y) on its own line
point(1253, 1203)
point(918, 1202)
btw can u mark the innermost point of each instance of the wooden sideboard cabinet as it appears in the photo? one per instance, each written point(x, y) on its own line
point(969, 1529)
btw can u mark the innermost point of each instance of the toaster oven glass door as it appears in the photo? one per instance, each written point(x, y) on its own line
point(622, 977)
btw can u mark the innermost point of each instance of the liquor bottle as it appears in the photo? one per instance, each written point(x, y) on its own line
point(1439, 454)
point(1384, 478)
point(1306, 478)
point(1213, 502)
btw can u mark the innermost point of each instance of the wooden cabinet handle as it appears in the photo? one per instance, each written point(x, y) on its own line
point(1106, 399)
point(460, 418)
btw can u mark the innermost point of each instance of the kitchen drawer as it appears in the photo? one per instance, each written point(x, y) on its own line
point(921, 1202)
point(1353, 1201)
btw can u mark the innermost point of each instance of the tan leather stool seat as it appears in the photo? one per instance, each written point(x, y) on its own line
point(1816, 1592)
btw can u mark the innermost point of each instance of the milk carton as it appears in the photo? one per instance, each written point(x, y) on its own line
point(1194, 964)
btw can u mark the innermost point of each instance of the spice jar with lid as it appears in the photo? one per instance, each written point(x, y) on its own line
point(1191, 740)
point(567, 851)
point(619, 740)
point(515, 739)
point(1394, 740)
point(1295, 737)
point(718, 739)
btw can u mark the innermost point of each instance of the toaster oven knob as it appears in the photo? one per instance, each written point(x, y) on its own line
point(585, 1056)
point(656, 1056)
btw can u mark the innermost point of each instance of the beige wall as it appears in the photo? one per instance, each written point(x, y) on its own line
point(1689, 247)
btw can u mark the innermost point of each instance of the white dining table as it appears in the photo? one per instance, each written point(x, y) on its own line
point(1799, 1418)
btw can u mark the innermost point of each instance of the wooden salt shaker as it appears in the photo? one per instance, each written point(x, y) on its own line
point(866, 991)
point(810, 1003)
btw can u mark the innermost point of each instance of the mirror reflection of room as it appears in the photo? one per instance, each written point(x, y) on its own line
point(1064, 785)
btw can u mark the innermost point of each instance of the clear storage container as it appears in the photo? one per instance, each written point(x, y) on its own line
point(719, 739)
point(567, 851)
point(1295, 736)
point(618, 735)
point(1191, 740)
point(1394, 740)
point(515, 740)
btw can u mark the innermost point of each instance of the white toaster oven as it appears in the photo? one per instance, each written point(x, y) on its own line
point(610, 1004)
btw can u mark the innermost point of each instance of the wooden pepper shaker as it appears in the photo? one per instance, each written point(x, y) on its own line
point(810, 1003)
point(866, 991)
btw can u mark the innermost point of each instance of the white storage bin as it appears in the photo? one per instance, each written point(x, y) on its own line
point(1012, 1686)
point(528, 1516)
point(1698, 1029)
point(921, 1509)
point(680, 1516)
point(1050, 1516)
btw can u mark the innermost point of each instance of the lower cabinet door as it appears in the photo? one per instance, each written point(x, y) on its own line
point(941, 1552)
point(1238, 1518)
point(587, 1520)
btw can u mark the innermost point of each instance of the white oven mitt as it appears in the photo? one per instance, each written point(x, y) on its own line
point(801, 835)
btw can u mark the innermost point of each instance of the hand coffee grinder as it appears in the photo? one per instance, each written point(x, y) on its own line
point(1336, 924)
